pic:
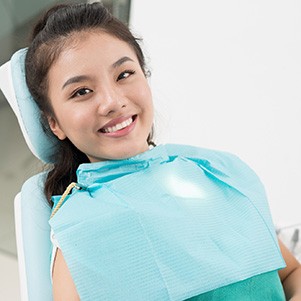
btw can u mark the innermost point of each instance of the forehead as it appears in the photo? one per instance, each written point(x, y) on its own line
point(94, 44)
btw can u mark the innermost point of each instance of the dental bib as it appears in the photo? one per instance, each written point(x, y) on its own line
point(169, 224)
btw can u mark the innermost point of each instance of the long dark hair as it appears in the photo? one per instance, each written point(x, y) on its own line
point(50, 35)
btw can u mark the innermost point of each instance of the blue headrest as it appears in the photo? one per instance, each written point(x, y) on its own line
point(13, 85)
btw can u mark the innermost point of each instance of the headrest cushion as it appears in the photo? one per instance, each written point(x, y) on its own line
point(14, 87)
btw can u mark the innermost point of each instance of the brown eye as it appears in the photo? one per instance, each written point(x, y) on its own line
point(125, 74)
point(81, 92)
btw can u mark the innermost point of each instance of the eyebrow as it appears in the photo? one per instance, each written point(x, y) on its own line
point(81, 78)
point(121, 61)
point(75, 79)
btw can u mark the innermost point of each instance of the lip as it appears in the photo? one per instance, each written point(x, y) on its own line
point(117, 120)
point(122, 132)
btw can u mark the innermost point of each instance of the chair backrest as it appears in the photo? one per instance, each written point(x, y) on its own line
point(33, 241)
point(20, 252)
point(32, 211)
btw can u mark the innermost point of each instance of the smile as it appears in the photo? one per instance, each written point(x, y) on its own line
point(118, 126)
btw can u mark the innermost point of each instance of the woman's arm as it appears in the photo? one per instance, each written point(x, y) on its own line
point(63, 285)
point(291, 275)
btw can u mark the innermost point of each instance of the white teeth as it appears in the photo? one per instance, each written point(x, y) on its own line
point(118, 126)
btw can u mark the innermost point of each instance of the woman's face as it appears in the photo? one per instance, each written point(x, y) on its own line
point(100, 97)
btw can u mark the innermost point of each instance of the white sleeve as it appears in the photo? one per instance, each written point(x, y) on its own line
point(55, 247)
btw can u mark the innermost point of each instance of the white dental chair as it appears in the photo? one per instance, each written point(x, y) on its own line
point(32, 211)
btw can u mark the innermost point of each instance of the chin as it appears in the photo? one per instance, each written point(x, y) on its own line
point(120, 152)
point(132, 151)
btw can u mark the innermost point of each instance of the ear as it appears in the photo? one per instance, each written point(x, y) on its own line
point(55, 128)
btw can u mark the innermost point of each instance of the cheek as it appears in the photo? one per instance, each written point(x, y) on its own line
point(74, 118)
point(143, 96)
point(149, 103)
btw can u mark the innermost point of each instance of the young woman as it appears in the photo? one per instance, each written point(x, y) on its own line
point(143, 222)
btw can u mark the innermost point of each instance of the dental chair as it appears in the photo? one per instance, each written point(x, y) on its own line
point(32, 211)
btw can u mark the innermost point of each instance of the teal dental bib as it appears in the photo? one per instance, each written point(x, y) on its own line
point(169, 224)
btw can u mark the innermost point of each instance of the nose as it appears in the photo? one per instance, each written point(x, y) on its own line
point(110, 101)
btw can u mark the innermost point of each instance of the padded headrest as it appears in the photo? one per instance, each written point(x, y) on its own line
point(14, 88)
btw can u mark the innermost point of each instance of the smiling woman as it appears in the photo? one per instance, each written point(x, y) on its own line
point(131, 221)
point(104, 107)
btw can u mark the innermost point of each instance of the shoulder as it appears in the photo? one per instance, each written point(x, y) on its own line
point(195, 151)
point(225, 166)
point(229, 169)
point(219, 158)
